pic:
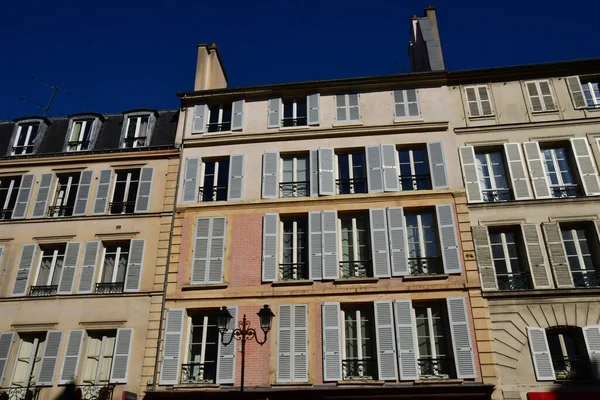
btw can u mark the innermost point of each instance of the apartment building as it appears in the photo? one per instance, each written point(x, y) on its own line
point(86, 206)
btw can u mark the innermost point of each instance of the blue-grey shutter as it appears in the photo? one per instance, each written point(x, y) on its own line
point(300, 352)
point(273, 117)
point(412, 98)
point(83, 192)
point(67, 275)
point(284, 343)
point(201, 250)
point(313, 112)
point(374, 169)
point(547, 95)
point(400, 111)
point(6, 340)
point(217, 249)
point(142, 199)
point(329, 224)
point(540, 354)
point(406, 340)
point(332, 354)
point(23, 196)
point(386, 342)
point(462, 345)
point(398, 243)
point(314, 172)
point(269, 247)
point(535, 100)
point(315, 246)
point(326, 178)
point(354, 107)
point(24, 270)
point(88, 269)
point(102, 191)
point(592, 342)
point(576, 91)
point(437, 165)
point(517, 171)
point(191, 180)
point(448, 234)
point(71, 360)
point(558, 255)
point(341, 110)
point(226, 357)
point(472, 102)
point(270, 175)
point(236, 177)
point(43, 195)
point(134, 265)
point(169, 367)
point(199, 124)
point(469, 169)
point(49, 359)
point(120, 366)
point(485, 263)
point(379, 243)
point(406, 104)
point(535, 256)
point(389, 169)
point(535, 162)
point(585, 165)
point(237, 117)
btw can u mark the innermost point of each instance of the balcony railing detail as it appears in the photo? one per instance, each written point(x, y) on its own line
point(294, 189)
point(425, 265)
point(121, 207)
point(139, 141)
point(496, 196)
point(96, 392)
point(356, 269)
point(571, 367)
point(564, 191)
point(514, 281)
point(6, 213)
point(359, 369)
point(218, 127)
point(110, 287)
point(216, 193)
point(414, 182)
point(198, 373)
point(293, 271)
point(435, 368)
point(41, 291)
point(586, 278)
point(348, 186)
point(60, 211)
point(20, 393)
point(291, 121)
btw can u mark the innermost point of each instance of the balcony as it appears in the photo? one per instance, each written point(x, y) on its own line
point(565, 191)
point(495, 196)
point(349, 186)
point(6, 213)
point(60, 211)
point(20, 393)
point(212, 193)
point(110, 287)
point(218, 127)
point(586, 278)
point(425, 265)
point(514, 281)
point(121, 207)
point(571, 367)
point(435, 367)
point(96, 392)
point(198, 373)
point(294, 189)
point(414, 182)
point(293, 271)
point(359, 369)
point(356, 269)
point(131, 142)
point(43, 291)
point(291, 121)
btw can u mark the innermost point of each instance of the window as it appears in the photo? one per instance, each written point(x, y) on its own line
point(557, 163)
point(355, 247)
point(219, 119)
point(421, 236)
point(491, 173)
point(215, 180)
point(406, 104)
point(414, 173)
point(581, 246)
point(9, 189)
point(137, 132)
point(540, 96)
point(29, 356)
point(25, 140)
point(591, 91)
point(81, 135)
point(294, 249)
point(569, 354)
point(509, 258)
point(114, 267)
point(347, 108)
point(351, 173)
point(294, 112)
point(125, 191)
point(358, 351)
point(202, 352)
point(294, 176)
point(52, 258)
point(434, 349)
point(64, 196)
point(478, 101)
point(99, 357)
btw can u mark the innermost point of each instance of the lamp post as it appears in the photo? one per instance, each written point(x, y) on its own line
point(244, 332)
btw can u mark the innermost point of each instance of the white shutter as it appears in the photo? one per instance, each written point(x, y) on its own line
point(585, 165)
point(201, 250)
point(332, 354)
point(269, 247)
point(23, 196)
point(379, 243)
point(386, 342)
point(71, 360)
point(315, 246)
point(536, 170)
point(576, 92)
point(472, 101)
point(83, 193)
point(292, 343)
point(88, 269)
point(341, 108)
point(102, 191)
point(270, 175)
point(135, 264)
point(226, 357)
point(485, 263)
point(353, 107)
point(199, 124)
point(300, 331)
point(313, 165)
point(313, 105)
point(406, 104)
point(6, 340)
point(142, 199)
point(406, 340)
point(120, 366)
point(329, 235)
point(326, 178)
point(484, 99)
point(191, 180)
point(448, 234)
point(437, 165)
point(517, 171)
point(400, 105)
point(49, 359)
point(67, 275)
point(43, 194)
point(535, 100)
point(592, 343)
point(547, 97)
point(236, 177)
point(468, 162)
point(24, 270)
point(540, 354)
point(273, 117)
point(462, 344)
point(217, 249)
point(237, 117)
point(169, 367)
point(558, 255)
point(537, 265)
point(284, 343)
point(397, 238)
point(390, 172)
point(374, 169)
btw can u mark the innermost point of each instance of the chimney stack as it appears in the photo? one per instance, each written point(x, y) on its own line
point(210, 73)
point(424, 48)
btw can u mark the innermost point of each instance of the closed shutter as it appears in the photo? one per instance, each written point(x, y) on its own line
point(24, 270)
point(120, 366)
point(6, 340)
point(406, 104)
point(23, 196)
point(448, 234)
point(592, 343)
point(88, 269)
point(67, 275)
point(237, 118)
point(354, 107)
point(273, 117)
point(537, 170)
point(485, 263)
point(390, 172)
point(399, 105)
point(313, 105)
point(379, 243)
point(315, 246)
point(462, 344)
point(558, 255)
point(71, 360)
point(535, 99)
point(300, 331)
point(217, 250)
point(270, 175)
point(585, 166)
point(142, 199)
point(374, 169)
point(332, 354)
point(199, 124)
point(341, 110)
point(537, 265)
point(405, 337)
point(397, 238)
point(201, 249)
point(386, 342)
point(576, 91)
point(437, 165)
point(49, 359)
point(83, 193)
point(43, 194)
point(236, 177)
point(330, 244)
point(284, 343)
point(547, 95)
point(102, 191)
point(169, 367)
point(326, 178)
point(191, 180)
point(313, 165)
point(484, 98)
point(134, 265)
point(468, 163)
point(269, 247)
point(540, 354)
point(517, 171)
point(226, 357)
point(292, 343)
point(472, 102)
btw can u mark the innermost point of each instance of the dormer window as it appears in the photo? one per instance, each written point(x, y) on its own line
point(81, 133)
point(28, 134)
point(138, 129)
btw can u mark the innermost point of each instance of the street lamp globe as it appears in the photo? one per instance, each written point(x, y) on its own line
point(266, 318)
point(224, 317)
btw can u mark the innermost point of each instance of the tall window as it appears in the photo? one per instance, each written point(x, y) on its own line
point(9, 189)
point(509, 260)
point(81, 135)
point(568, 351)
point(215, 180)
point(352, 177)
point(25, 140)
point(114, 267)
point(125, 191)
point(433, 335)
point(359, 359)
point(65, 194)
point(294, 112)
point(137, 132)
point(492, 176)
point(294, 176)
point(581, 248)
point(423, 255)
point(219, 119)
point(414, 174)
point(51, 261)
point(355, 247)
point(558, 170)
point(294, 250)
point(203, 348)
point(99, 357)
point(591, 92)
point(29, 356)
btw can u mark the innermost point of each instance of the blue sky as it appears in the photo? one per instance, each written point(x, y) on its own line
point(119, 55)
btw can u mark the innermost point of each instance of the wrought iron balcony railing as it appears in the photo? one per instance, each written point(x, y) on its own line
point(359, 369)
point(218, 127)
point(587, 278)
point(496, 196)
point(6, 213)
point(425, 265)
point(356, 269)
point(96, 392)
point(291, 121)
point(198, 373)
point(294, 189)
point(110, 287)
point(60, 211)
point(514, 281)
point(212, 193)
point(18, 150)
point(435, 368)
point(76, 143)
point(571, 367)
point(563, 191)
point(293, 271)
point(41, 291)
point(414, 182)
point(121, 207)
point(139, 141)
point(20, 393)
point(349, 186)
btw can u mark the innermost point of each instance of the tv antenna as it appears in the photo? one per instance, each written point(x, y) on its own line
point(55, 89)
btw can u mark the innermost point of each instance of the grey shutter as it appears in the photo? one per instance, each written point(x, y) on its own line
point(88, 269)
point(374, 169)
point(329, 224)
point(269, 247)
point(142, 199)
point(389, 170)
point(102, 191)
point(354, 107)
point(49, 359)
point(341, 110)
point(6, 340)
point(585, 166)
point(313, 105)
point(537, 265)
point(437, 165)
point(83, 193)
point(400, 105)
point(190, 180)
point(201, 250)
point(199, 124)
point(547, 97)
point(315, 246)
point(71, 360)
point(284, 343)
point(23, 196)
point(413, 102)
point(537, 170)
point(326, 178)
point(485, 263)
point(472, 102)
point(24, 270)
point(558, 255)
point(120, 366)
point(217, 250)
point(535, 100)
point(386, 343)
point(405, 338)
point(517, 171)
point(462, 344)
point(397, 238)
point(592, 342)
point(169, 367)
point(236, 177)
point(313, 164)
point(332, 354)
point(576, 91)
point(292, 344)
point(300, 353)
point(486, 104)
point(237, 117)
point(273, 117)
point(67, 275)
point(540, 354)
point(379, 243)
point(448, 234)
point(270, 175)
point(134, 265)
point(226, 357)
point(468, 163)
point(43, 195)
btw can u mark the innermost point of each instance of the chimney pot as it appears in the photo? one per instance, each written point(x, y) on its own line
point(214, 45)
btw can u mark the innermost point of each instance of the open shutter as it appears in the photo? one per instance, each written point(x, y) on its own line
point(576, 91)
point(217, 250)
point(102, 191)
point(405, 339)
point(468, 163)
point(67, 275)
point(43, 194)
point(49, 359)
point(270, 175)
point(472, 102)
point(547, 97)
point(24, 270)
point(585, 166)
point(313, 104)
point(269, 247)
point(83, 193)
point(191, 180)
point(134, 265)
point(120, 366)
point(326, 179)
point(517, 171)
point(142, 199)
point(88, 269)
point(537, 170)
point(437, 165)
point(169, 367)
point(199, 124)
point(6, 340)
point(374, 169)
point(300, 333)
point(236, 177)
point(558, 255)
point(461, 338)
point(71, 361)
point(331, 267)
point(332, 354)
point(397, 239)
point(592, 343)
point(201, 249)
point(390, 172)
point(341, 110)
point(237, 118)
point(386, 343)
point(284, 343)
point(313, 164)
point(226, 358)
point(485, 263)
point(535, 100)
point(274, 118)
point(540, 353)
point(537, 265)
point(23, 196)
point(379, 243)
point(448, 234)
point(315, 246)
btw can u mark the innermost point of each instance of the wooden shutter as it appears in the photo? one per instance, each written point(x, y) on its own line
point(558, 255)
point(191, 180)
point(315, 246)
point(88, 269)
point(341, 109)
point(67, 275)
point(592, 342)
point(269, 247)
point(468, 162)
point(237, 118)
point(547, 97)
point(406, 343)
point(535, 100)
point(540, 354)
point(292, 343)
point(102, 191)
point(400, 104)
point(485, 102)
point(71, 360)
point(120, 366)
point(83, 193)
point(537, 265)
point(24, 271)
point(217, 250)
point(236, 177)
point(6, 340)
point(517, 171)
point(43, 195)
point(313, 165)
point(313, 105)
point(389, 170)
point(397, 238)
point(201, 250)
point(199, 124)
point(169, 367)
point(485, 263)
point(412, 97)
point(300, 333)
point(135, 265)
point(379, 243)
point(585, 166)
point(462, 344)
point(386, 342)
point(353, 107)
point(472, 102)
point(226, 357)
point(284, 343)
point(576, 92)
point(537, 170)
point(448, 234)
point(49, 359)
point(329, 224)
point(270, 175)
point(326, 178)
point(274, 118)
point(142, 199)
point(374, 169)
point(437, 165)
point(332, 354)
point(23, 196)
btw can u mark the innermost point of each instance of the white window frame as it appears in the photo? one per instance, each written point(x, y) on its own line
point(421, 243)
point(10, 190)
point(58, 201)
point(215, 177)
point(128, 182)
point(478, 101)
point(294, 110)
point(578, 250)
point(294, 246)
point(359, 350)
point(412, 166)
point(355, 244)
point(295, 174)
point(35, 357)
point(220, 117)
point(541, 96)
point(350, 169)
point(138, 119)
point(116, 269)
point(492, 176)
point(84, 123)
point(589, 86)
point(188, 341)
point(431, 337)
point(55, 255)
point(505, 254)
point(557, 169)
point(101, 357)
point(27, 137)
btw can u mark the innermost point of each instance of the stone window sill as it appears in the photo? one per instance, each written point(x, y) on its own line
point(280, 384)
point(426, 277)
point(438, 381)
point(544, 112)
point(208, 286)
point(350, 123)
point(408, 120)
point(355, 382)
point(197, 385)
point(303, 282)
point(355, 280)
point(482, 117)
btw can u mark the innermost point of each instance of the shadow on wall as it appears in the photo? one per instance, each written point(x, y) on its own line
point(577, 384)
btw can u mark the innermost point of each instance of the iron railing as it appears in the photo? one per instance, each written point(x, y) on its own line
point(20, 393)
point(137, 141)
point(435, 368)
point(571, 367)
point(41, 291)
point(6, 213)
point(110, 287)
point(18, 150)
point(514, 281)
point(213, 193)
point(294, 189)
point(198, 373)
point(218, 126)
point(425, 265)
point(356, 269)
point(414, 182)
point(60, 211)
point(587, 278)
point(96, 392)
point(293, 271)
point(84, 144)
point(291, 121)
point(496, 195)
point(121, 207)
point(348, 186)
point(563, 191)
point(359, 369)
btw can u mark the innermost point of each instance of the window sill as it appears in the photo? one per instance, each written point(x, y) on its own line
point(354, 382)
point(482, 117)
point(208, 286)
point(283, 384)
point(303, 282)
point(426, 277)
point(408, 120)
point(196, 385)
point(544, 112)
point(350, 123)
point(448, 381)
point(350, 281)
point(294, 128)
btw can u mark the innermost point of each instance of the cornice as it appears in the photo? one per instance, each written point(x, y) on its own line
point(526, 125)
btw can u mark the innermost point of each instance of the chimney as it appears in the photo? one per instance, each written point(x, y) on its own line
point(210, 73)
point(424, 48)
